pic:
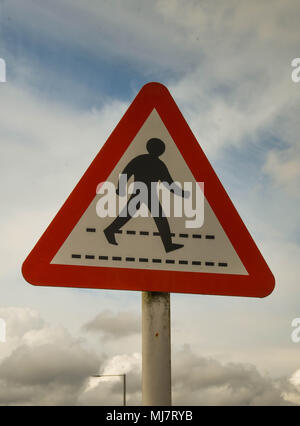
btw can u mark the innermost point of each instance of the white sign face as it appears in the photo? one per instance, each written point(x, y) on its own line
point(139, 245)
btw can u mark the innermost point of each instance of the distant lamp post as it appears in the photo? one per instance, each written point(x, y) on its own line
point(124, 383)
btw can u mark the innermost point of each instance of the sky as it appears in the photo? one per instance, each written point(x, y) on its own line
point(72, 70)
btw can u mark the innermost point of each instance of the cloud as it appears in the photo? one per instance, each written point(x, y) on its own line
point(295, 379)
point(196, 380)
point(49, 366)
point(45, 366)
point(283, 166)
point(292, 392)
point(20, 320)
point(234, 86)
point(46, 147)
point(109, 390)
point(114, 325)
point(205, 381)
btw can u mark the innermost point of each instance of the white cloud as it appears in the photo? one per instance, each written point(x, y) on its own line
point(129, 364)
point(230, 62)
point(45, 148)
point(205, 381)
point(20, 320)
point(123, 363)
point(44, 365)
point(295, 379)
point(49, 366)
point(284, 168)
point(161, 34)
point(292, 393)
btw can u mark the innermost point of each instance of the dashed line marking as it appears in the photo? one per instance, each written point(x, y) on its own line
point(90, 229)
point(156, 234)
point(154, 260)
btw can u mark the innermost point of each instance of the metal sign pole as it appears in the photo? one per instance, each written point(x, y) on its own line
point(156, 349)
point(124, 389)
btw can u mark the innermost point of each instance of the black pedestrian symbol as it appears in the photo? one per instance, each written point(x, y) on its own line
point(148, 168)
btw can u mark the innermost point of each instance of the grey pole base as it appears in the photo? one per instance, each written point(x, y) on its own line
point(156, 349)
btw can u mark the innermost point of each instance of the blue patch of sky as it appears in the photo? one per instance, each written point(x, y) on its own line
point(240, 169)
point(65, 72)
point(69, 74)
point(238, 162)
point(248, 159)
point(57, 70)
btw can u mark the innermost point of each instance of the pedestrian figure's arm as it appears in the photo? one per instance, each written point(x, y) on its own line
point(176, 189)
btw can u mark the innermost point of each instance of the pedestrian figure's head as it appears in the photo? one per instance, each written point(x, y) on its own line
point(155, 147)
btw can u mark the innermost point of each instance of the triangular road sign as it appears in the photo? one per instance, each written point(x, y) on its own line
point(147, 254)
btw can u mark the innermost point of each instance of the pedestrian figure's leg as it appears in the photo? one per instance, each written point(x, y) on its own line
point(164, 229)
point(117, 224)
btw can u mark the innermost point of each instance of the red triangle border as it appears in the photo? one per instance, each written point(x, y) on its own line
point(38, 270)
